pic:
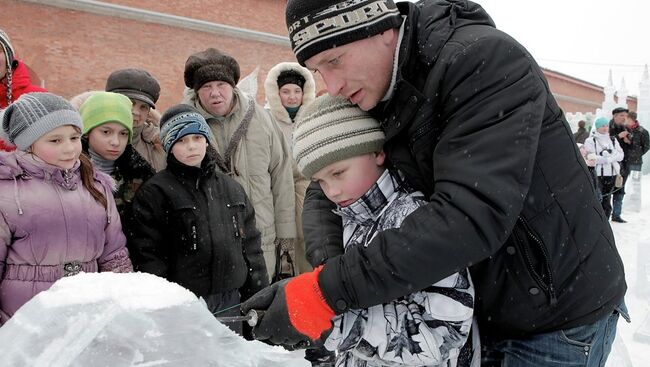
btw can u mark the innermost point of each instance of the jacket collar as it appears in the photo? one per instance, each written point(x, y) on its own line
point(190, 174)
point(370, 206)
point(26, 165)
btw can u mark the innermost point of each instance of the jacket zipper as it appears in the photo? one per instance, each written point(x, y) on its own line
point(550, 288)
point(420, 132)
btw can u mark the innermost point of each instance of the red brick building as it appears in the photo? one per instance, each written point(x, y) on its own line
point(75, 50)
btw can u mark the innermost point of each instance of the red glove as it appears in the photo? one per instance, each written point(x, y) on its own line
point(294, 310)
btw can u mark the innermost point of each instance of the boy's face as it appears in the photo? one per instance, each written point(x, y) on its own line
point(344, 182)
point(190, 149)
point(109, 140)
point(603, 129)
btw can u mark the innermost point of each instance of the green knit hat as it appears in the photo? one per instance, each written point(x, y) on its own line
point(331, 129)
point(104, 107)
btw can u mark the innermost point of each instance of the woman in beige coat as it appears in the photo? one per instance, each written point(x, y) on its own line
point(288, 87)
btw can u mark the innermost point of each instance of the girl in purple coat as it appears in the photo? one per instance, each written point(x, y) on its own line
point(57, 214)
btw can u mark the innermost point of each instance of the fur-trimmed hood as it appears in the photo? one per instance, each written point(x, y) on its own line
point(272, 91)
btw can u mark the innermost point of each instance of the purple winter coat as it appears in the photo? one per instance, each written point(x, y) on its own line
point(50, 226)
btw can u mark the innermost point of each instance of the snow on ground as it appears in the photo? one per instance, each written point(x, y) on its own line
point(633, 242)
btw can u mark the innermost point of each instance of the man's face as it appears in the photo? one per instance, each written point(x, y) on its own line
point(619, 118)
point(360, 71)
point(216, 97)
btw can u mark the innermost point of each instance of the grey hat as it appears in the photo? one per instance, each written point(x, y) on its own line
point(331, 129)
point(34, 115)
point(136, 84)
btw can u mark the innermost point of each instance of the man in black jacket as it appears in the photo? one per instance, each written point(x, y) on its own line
point(617, 129)
point(471, 122)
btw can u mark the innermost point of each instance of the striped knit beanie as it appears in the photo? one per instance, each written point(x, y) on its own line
point(105, 107)
point(331, 129)
point(34, 115)
point(318, 25)
point(181, 120)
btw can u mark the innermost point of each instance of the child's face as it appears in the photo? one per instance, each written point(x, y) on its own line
point(344, 182)
point(109, 140)
point(291, 95)
point(190, 149)
point(60, 147)
point(140, 112)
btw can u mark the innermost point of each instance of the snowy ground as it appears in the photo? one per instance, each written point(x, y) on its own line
point(633, 242)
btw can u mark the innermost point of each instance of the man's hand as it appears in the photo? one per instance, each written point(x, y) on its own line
point(295, 311)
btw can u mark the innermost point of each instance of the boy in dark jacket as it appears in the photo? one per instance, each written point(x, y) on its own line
point(194, 225)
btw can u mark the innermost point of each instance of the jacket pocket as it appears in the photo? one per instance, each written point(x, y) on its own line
point(188, 232)
point(536, 259)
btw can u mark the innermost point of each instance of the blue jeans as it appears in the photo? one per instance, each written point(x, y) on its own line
point(585, 346)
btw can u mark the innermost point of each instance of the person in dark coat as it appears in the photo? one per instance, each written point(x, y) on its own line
point(471, 122)
point(617, 129)
point(108, 129)
point(639, 142)
point(195, 225)
point(582, 134)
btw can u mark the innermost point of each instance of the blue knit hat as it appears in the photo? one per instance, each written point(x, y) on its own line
point(181, 120)
point(600, 122)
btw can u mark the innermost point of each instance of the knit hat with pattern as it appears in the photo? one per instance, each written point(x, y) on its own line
point(210, 65)
point(136, 84)
point(34, 115)
point(105, 107)
point(181, 120)
point(318, 25)
point(331, 129)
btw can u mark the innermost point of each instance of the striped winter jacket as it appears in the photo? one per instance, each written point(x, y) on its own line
point(430, 327)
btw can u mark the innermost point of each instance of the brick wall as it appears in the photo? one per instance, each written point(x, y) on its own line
point(259, 15)
point(75, 51)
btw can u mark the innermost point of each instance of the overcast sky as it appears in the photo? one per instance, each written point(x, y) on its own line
point(582, 38)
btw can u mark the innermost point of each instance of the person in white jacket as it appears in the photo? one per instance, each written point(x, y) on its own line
point(608, 153)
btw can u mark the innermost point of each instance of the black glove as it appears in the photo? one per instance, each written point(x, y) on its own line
point(299, 297)
point(274, 326)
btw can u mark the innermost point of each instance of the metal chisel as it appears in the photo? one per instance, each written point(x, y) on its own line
point(252, 318)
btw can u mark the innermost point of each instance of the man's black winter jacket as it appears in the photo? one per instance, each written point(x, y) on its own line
point(473, 125)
